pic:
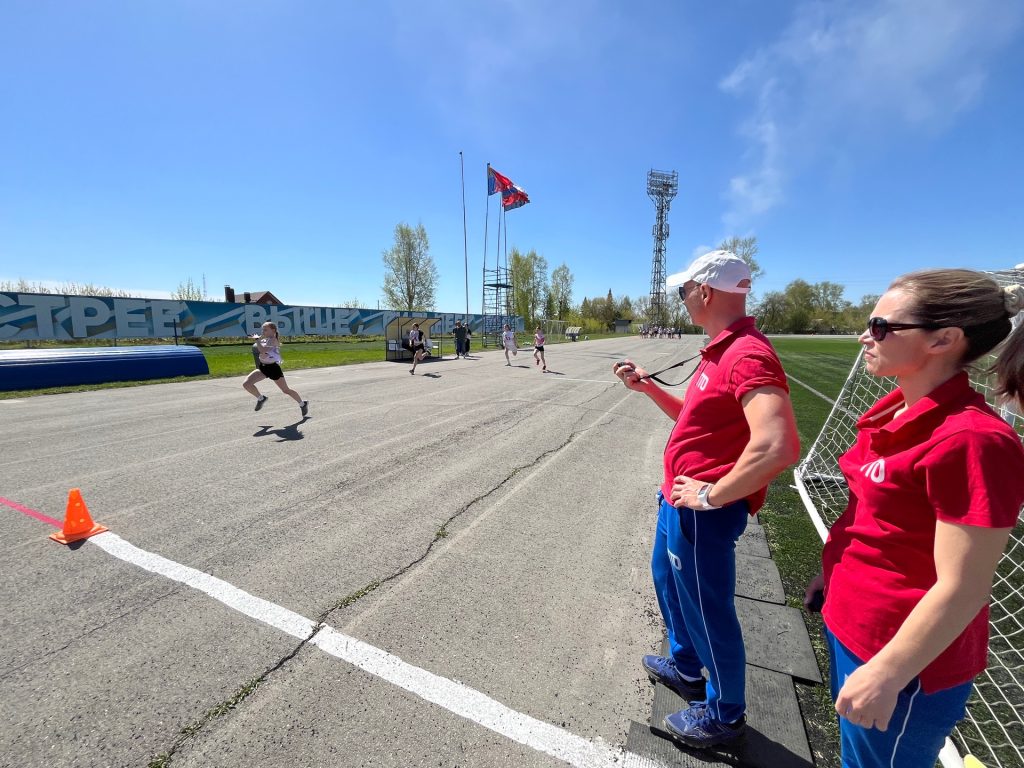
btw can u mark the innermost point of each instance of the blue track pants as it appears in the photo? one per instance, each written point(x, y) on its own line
point(694, 570)
point(917, 729)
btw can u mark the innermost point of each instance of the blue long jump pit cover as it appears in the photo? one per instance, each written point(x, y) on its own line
point(40, 368)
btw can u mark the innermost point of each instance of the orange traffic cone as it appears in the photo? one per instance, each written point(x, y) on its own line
point(78, 524)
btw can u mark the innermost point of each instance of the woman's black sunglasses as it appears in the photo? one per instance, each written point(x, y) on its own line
point(878, 327)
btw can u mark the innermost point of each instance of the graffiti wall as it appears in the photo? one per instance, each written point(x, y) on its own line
point(43, 316)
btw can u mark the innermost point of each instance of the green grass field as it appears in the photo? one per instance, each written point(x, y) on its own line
point(822, 364)
point(235, 359)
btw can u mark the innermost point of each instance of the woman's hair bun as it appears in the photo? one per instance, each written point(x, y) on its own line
point(1013, 299)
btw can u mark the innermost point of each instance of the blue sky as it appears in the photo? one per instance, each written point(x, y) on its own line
point(274, 145)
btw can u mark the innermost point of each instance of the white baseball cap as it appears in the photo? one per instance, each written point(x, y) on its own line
point(721, 270)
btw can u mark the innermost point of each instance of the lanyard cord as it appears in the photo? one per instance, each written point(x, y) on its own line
point(677, 365)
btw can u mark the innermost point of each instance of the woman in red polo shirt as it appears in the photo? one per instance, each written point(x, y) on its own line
point(936, 483)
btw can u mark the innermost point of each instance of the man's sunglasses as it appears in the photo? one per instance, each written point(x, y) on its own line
point(878, 327)
point(682, 290)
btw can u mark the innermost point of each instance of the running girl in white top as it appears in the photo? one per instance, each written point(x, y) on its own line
point(268, 366)
point(538, 349)
point(417, 346)
point(508, 341)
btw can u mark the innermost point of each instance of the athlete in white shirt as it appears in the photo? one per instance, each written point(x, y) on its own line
point(268, 366)
point(508, 341)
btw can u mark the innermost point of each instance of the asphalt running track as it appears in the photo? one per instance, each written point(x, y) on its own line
point(442, 569)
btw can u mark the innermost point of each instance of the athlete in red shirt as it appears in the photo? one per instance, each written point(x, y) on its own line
point(734, 432)
point(936, 483)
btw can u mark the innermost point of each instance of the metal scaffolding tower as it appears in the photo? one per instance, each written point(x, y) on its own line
point(661, 188)
point(497, 304)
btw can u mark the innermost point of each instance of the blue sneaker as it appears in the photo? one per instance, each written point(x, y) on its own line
point(696, 727)
point(663, 670)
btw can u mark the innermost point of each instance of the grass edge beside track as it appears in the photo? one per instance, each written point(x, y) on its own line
point(823, 365)
point(227, 360)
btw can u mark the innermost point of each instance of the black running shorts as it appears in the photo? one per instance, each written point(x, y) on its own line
point(271, 370)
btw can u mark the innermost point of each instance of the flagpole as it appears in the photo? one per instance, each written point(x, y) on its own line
point(504, 227)
point(497, 245)
point(465, 236)
point(508, 306)
point(483, 286)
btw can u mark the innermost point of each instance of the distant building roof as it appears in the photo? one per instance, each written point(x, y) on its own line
point(263, 297)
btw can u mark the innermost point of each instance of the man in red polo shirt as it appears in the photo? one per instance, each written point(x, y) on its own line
point(734, 432)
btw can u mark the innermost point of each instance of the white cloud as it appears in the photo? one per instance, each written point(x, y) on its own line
point(845, 74)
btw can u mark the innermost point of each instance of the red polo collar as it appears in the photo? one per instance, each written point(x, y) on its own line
point(725, 338)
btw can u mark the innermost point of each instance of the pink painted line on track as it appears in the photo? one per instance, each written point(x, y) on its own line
point(31, 512)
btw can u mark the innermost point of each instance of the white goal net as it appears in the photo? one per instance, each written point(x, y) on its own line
point(993, 730)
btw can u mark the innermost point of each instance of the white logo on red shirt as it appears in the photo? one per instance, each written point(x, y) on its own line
point(702, 382)
point(874, 470)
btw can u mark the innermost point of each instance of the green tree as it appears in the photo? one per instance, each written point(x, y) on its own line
point(641, 307)
point(410, 279)
point(855, 316)
point(676, 314)
point(624, 308)
point(186, 291)
point(828, 303)
point(771, 312)
point(595, 313)
point(550, 305)
point(561, 291)
point(23, 286)
point(799, 307)
point(608, 311)
point(585, 310)
point(529, 273)
point(746, 249)
point(68, 288)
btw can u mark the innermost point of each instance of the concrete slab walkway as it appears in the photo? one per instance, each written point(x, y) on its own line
point(779, 653)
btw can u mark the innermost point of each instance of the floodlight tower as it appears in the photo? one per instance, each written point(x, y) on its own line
point(661, 188)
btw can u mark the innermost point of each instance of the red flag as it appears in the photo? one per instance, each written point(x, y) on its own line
point(514, 198)
point(496, 182)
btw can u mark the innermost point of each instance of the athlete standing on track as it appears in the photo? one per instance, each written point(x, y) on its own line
point(936, 483)
point(268, 366)
point(461, 337)
point(734, 432)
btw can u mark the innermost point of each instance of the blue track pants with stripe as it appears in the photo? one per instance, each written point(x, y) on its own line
point(918, 726)
point(694, 570)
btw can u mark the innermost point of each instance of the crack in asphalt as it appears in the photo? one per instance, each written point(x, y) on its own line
point(224, 708)
point(220, 710)
point(87, 633)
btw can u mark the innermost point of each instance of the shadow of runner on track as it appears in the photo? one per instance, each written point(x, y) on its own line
point(284, 434)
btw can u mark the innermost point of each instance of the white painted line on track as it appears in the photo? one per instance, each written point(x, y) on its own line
point(812, 390)
point(590, 381)
point(269, 613)
point(452, 696)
